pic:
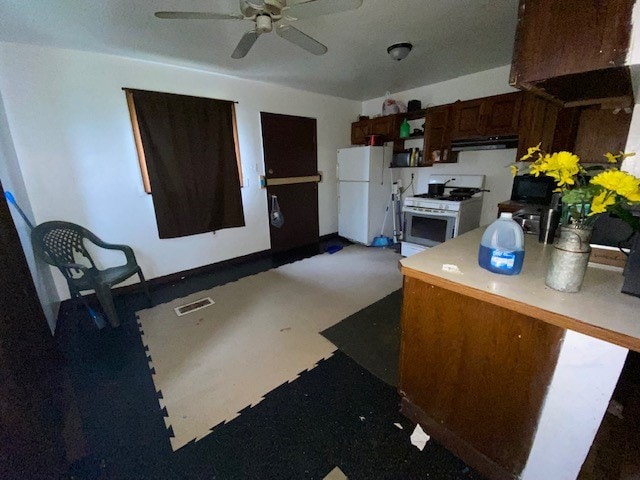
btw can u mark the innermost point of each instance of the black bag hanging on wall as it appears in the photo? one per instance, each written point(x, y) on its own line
point(276, 217)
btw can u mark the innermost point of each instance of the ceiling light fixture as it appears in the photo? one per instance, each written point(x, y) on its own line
point(399, 51)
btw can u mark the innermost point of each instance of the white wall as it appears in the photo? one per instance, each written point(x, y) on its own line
point(577, 398)
point(632, 164)
point(633, 56)
point(12, 181)
point(72, 135)
point(493, 164)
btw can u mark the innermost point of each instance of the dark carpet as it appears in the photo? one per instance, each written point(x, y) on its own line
point(372, 337)
point(337, 414)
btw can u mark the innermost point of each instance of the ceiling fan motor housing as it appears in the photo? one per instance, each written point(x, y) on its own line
point(252, 9)
point(264, 23)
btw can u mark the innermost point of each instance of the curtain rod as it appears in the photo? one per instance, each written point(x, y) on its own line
point(127, 89)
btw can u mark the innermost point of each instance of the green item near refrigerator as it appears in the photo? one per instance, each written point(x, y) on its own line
point(405, 129)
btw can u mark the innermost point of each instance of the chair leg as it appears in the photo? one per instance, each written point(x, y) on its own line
point(144, 286)
point(95, 316)
point(103, 292)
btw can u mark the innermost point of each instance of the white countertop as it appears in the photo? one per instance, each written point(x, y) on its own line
point(599, 309)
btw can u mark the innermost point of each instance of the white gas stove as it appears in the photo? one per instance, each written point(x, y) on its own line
point(430, 220)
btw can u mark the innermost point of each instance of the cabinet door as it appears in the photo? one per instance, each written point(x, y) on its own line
point(562, 38)
point(538, 122)
point(486, 117)
point(467, 119)
point(385, 126)
point(502, 114)
point(599, 132)
point(437, 139)
point(359, 130)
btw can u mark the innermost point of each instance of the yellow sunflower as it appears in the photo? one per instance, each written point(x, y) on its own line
point(622, 183)
point(601, 202)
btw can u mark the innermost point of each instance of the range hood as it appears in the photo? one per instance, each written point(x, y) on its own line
point(488, 143)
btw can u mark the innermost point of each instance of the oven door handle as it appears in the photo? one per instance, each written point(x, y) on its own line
point(443, 213)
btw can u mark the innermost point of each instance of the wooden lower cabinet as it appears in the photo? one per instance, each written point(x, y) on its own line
point(475, 375)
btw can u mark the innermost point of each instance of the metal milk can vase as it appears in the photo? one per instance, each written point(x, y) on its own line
point(569, 259)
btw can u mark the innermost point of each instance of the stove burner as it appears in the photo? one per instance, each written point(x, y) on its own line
point(457, 194)
point(429, 195)
point(452, 198)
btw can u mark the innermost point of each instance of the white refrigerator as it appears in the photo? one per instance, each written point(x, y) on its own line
point(364, 190)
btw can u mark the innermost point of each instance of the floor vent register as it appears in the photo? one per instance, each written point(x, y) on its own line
point(193, 306)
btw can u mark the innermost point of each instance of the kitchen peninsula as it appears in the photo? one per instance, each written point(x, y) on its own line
point(512, 376)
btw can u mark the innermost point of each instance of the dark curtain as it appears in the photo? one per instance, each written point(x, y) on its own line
point(191, 157)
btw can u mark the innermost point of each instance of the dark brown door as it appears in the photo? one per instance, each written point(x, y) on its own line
point(290, 155)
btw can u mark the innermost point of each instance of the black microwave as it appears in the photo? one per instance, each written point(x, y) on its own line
point(531, 189)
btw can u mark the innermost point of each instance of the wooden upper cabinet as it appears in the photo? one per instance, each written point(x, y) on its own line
point(600, 131)
point(437, 138)
point(467, 119)
point(568, 49)
point(538, 120)
point(359, 131)
point(503, 114)
point(386, 126)
point(486, 117)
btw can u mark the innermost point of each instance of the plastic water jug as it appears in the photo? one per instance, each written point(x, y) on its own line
point(502, 246)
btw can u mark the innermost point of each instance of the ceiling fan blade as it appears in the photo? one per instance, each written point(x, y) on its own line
point(245, 44)
point(300, 39)
point(315, 8)
point(199, 16)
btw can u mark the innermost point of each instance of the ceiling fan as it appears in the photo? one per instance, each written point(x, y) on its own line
point(265, 13)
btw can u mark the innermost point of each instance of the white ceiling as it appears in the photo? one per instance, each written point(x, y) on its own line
point(450, 37)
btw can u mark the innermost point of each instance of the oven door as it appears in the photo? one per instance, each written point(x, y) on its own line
point(429, 229)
